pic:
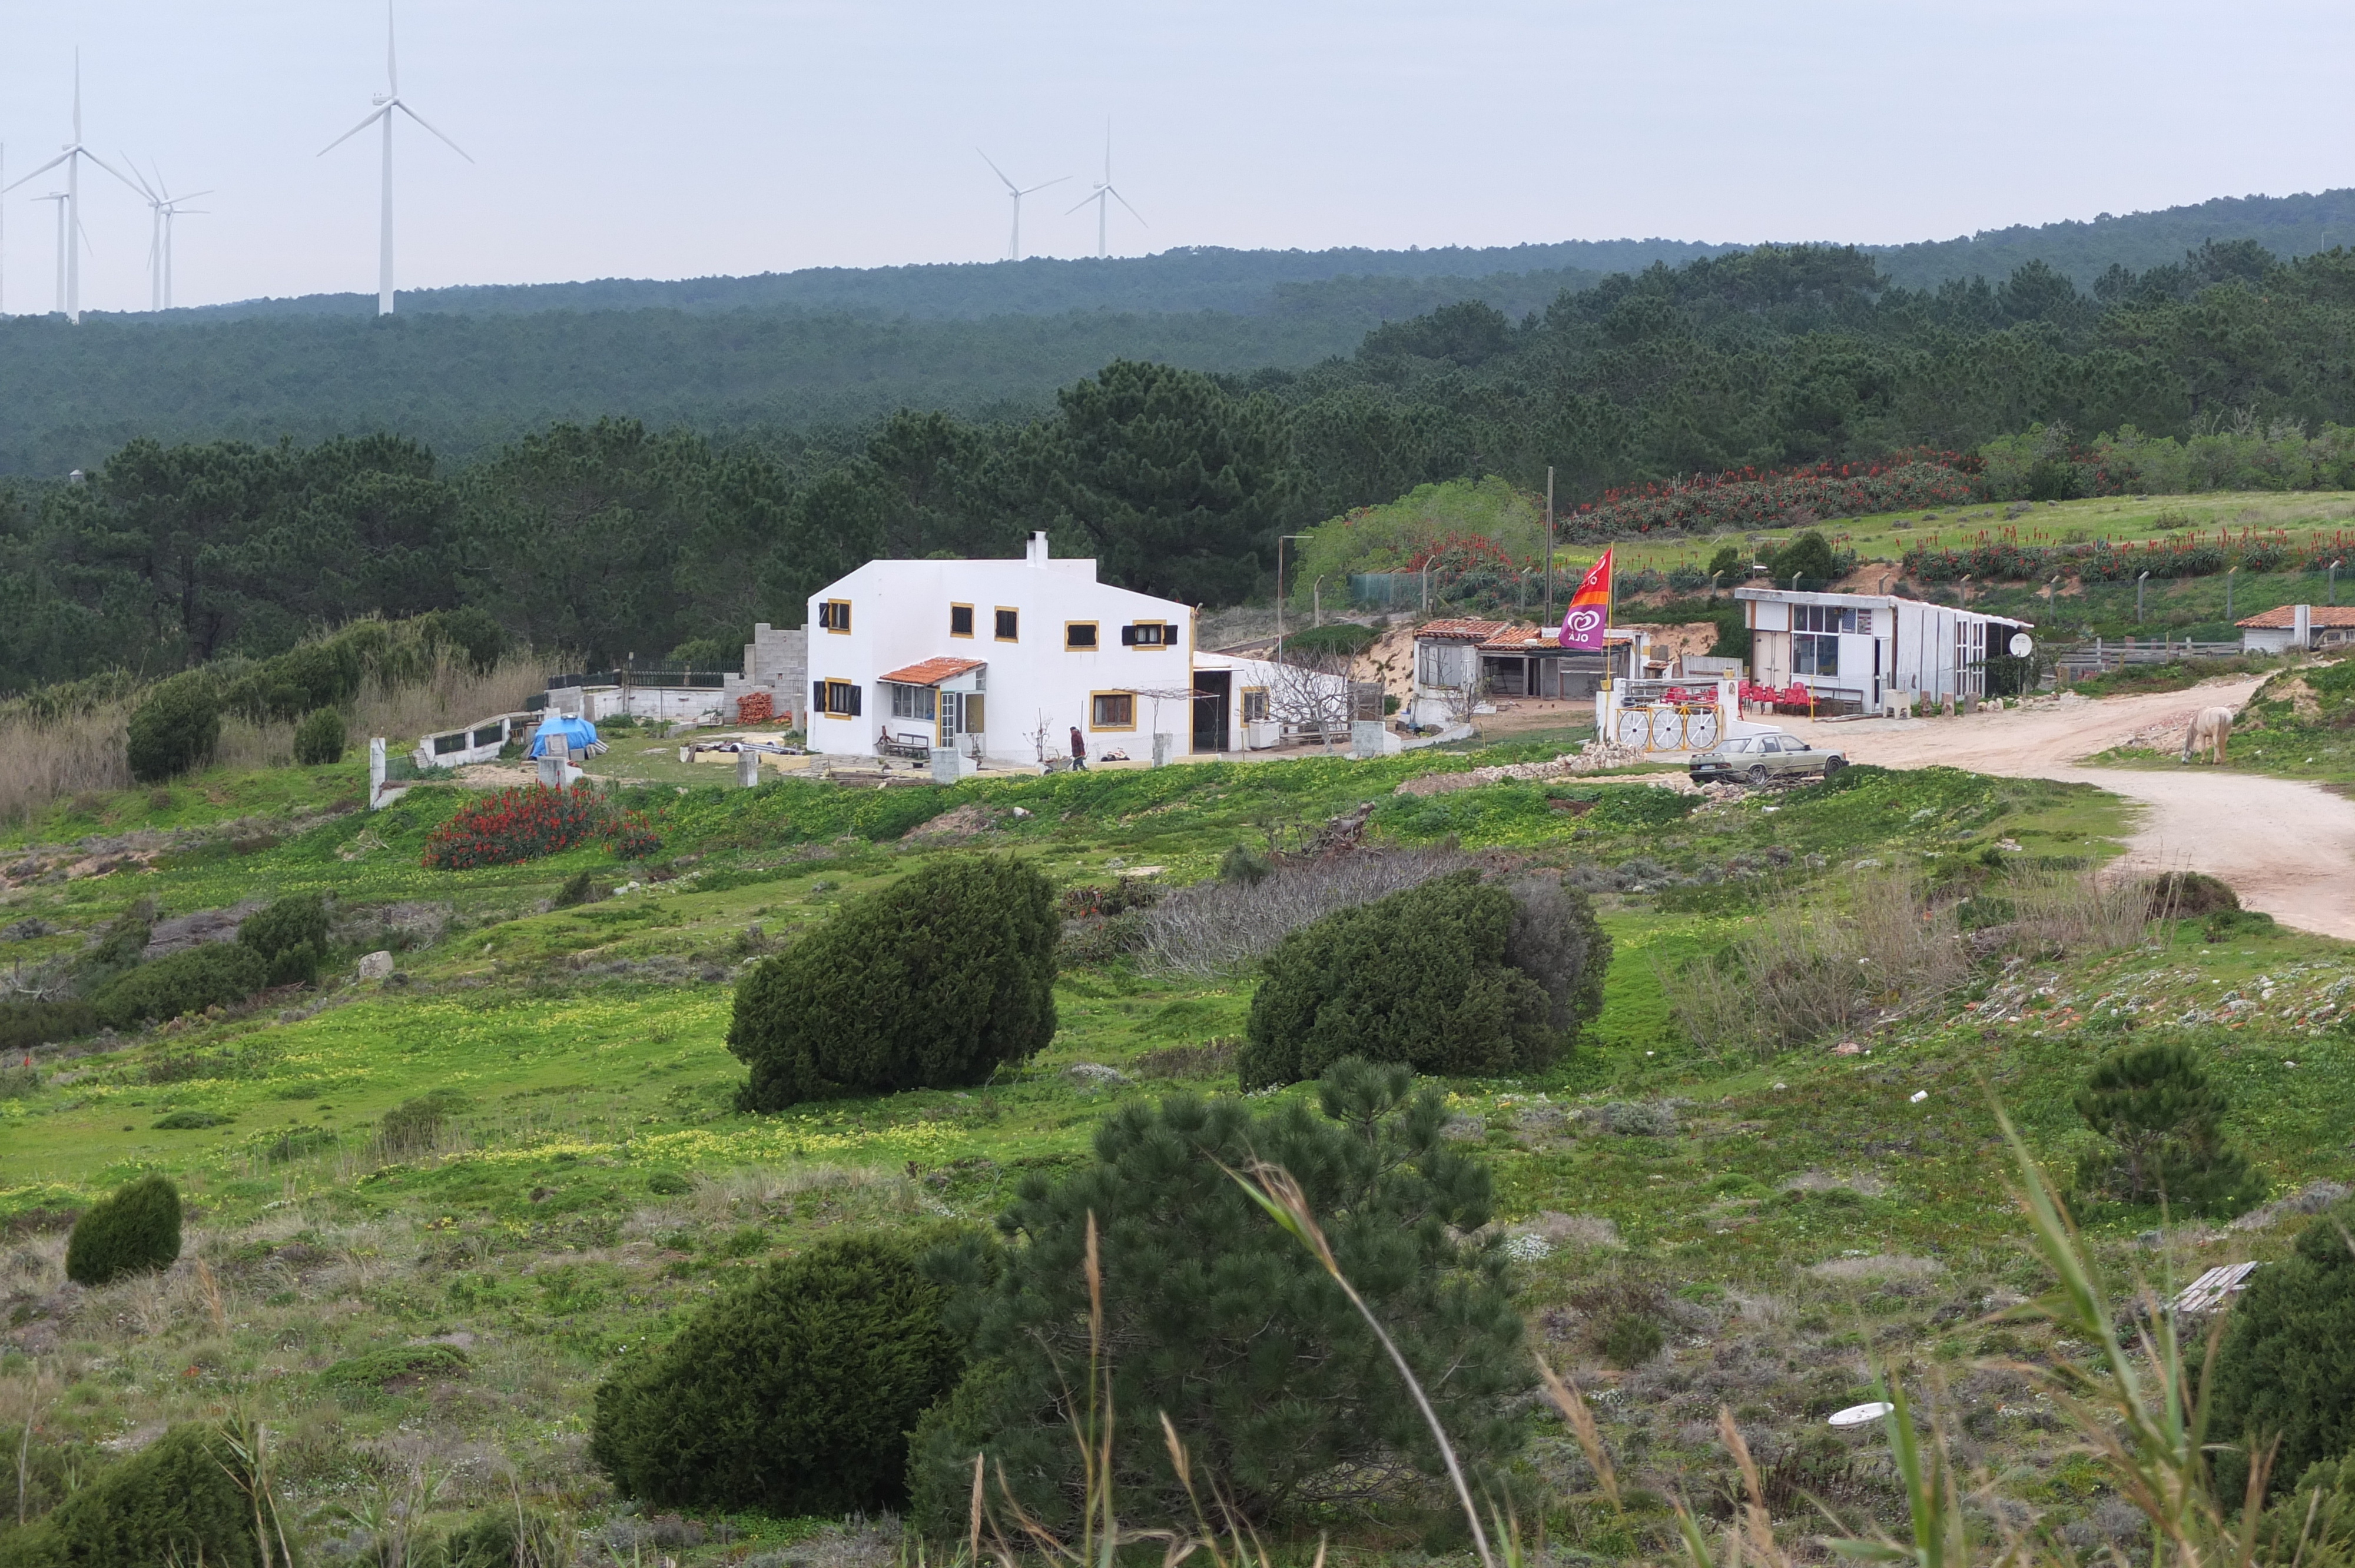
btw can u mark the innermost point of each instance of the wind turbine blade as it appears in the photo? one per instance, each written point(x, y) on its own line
point(1042, 184)
point(998, 172)
point(77, 95)
point(1075, 206)
point(354, 131)
point(392, 61)
point(44, 169)
point(111, 169)
point(453, 147)
point(141, 180)
point(1124, 201)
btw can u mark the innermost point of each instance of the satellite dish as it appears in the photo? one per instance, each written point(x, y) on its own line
point(2022, 645)
point(1858, 1415)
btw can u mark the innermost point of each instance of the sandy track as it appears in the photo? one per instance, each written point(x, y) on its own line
point(2285, 847)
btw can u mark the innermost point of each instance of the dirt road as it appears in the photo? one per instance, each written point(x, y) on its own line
point(2285, 847)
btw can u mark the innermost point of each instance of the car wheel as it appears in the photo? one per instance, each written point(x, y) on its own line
point(1758, 774)
point(1833, 764)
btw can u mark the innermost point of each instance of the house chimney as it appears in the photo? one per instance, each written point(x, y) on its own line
point(2301, 634)
point(1035, 552)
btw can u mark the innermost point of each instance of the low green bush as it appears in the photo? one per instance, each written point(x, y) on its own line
point(1223, 1322)
point(414, 1125)
point(191, 1121)
point(319, 738)
point(2227, 924)
point(136, 1230)
point(1456, 975)
point(181, 1500)
point(118, 950)
point(1632, 1339)
point(187, 982)
point(931, 982)
point(504, 1536)
point(793, 1393)
point(291, 936)
point(374, 1368)
point(2189, 895)
point(25, 1024)
point(174, 729)
point(2284, 1372)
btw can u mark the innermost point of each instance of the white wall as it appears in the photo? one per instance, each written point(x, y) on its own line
point(900, 615)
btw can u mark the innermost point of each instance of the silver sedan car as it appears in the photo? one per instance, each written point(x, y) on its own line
point(1761, 759)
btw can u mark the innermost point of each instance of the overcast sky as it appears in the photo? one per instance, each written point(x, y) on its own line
point(691, 137)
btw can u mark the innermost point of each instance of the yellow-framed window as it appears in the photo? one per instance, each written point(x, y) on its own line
point(836, 699)
point(1149, 634)
point(834, 615)
point(1080, 636)
point(1254, 704)
point(1009, 624)
point(960, 621)
point(1112, 710)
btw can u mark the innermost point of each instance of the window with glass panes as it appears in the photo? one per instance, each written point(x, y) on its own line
point(1815, 636)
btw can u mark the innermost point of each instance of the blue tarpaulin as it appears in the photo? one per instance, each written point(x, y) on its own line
point(580, 735)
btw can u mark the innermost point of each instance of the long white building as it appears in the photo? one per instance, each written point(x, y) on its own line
point(1864, 648)
point(1001, 659)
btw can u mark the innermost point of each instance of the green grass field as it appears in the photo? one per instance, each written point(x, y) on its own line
point(1809, 1215)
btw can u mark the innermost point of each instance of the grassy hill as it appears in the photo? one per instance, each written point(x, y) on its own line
point(1785, 1218)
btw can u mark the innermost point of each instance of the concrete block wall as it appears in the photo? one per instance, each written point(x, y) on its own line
point(776, 662)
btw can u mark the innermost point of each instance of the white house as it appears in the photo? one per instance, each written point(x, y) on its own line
point(1001, 659)
point(1863, 648)
point(2302, 626)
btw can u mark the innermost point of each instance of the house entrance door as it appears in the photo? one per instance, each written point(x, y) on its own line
point(1211, 708)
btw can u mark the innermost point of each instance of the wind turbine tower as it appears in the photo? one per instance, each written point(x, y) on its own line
point(386, 102)
point(1013, 247)
point(163, 207)
point(70, 214)
point(1105, 195)
point(59, 197)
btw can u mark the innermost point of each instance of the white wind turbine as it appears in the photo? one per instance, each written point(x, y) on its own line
point(164, 206)
point(386, 102)
point(1013, 248)
point(70, 214)
point(1105, 195)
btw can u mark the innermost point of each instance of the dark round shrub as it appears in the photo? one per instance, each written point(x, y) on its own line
point(1225, 1323)
point(414, 1125)
point(180, 1500)
point(931, 982)
point(1431, 977)
point(2162, 1120)
point(2286, 1371)
point(174, 728)
point(136, 1230)
point(1632, 1339)
point(471, 631)
point(794, 1393)
point(319, 738)
point(291, 936)
point(25, 1024)
point(501, 1536)
point(2188, 896)
point(1807, 557)
point(189, 981)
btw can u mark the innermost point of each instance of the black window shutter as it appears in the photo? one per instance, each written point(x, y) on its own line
point(1128, 636)
point(855, 694)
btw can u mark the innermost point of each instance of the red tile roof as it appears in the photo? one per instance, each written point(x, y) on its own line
point(1461, 629)
point(2283, 617)
point(1519, 637)
point(932, 671)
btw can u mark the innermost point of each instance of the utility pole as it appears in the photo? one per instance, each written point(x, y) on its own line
point(1280, 538)
point(1549, 597)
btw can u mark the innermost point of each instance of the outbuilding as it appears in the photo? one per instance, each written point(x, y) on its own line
point(2302, 626)
point(1861, 651)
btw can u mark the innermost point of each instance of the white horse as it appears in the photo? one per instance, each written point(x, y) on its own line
point(2208, 732)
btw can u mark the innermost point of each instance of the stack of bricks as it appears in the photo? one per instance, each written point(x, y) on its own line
point(755, 707)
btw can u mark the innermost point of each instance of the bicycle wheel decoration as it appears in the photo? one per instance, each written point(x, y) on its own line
point(1634, 726)
point(1700, 728)
point(1668, 728)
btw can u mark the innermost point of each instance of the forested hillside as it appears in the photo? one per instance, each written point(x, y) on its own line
point(610, 538)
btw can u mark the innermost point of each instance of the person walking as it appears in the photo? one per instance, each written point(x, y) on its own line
point(1079, 750)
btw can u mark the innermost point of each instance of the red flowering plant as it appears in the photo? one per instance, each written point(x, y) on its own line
point(531, 821)
point(1751, 497)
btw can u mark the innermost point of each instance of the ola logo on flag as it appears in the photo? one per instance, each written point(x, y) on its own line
point(1590, 607)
